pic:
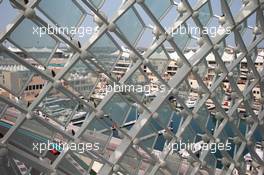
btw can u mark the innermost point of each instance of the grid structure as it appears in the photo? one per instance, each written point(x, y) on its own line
point(132, 150)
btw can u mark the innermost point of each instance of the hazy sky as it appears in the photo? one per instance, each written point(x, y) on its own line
point(7, 14)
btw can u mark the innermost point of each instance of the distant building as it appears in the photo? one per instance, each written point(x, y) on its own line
point(14, 76)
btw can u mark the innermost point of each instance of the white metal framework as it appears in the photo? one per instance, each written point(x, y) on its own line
point(124, 148)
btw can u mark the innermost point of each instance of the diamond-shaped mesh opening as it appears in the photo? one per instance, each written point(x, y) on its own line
point(131, 32)
point(97, 3)
point(14, 76)
point(58, 106)
point(57, 10)
point(26, 39)
point(82, 78)
point(117, 109)
point(159, 60)
point(105, 51)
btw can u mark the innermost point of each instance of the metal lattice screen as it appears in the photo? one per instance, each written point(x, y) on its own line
point(134, 131)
